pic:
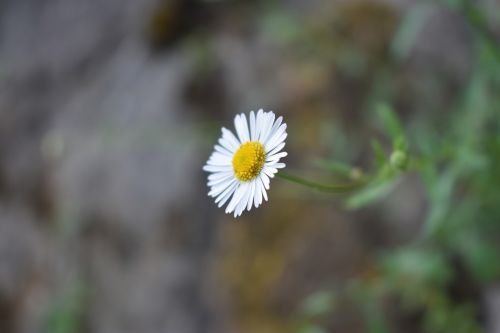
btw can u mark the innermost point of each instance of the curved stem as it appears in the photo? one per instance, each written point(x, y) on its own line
point(341, 188)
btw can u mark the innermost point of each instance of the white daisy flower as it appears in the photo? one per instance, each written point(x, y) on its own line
point(240, 167)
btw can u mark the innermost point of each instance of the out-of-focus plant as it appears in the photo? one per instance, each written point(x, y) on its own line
point(67, 312)
point(458, 163)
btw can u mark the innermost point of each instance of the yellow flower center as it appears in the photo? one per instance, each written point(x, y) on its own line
point(249, 160)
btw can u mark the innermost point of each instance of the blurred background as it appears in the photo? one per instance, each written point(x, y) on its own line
point(110, 108)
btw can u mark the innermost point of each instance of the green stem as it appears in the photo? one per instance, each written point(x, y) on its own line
point(343, 188)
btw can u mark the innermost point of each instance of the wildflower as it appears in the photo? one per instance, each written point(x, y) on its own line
point(241, 166)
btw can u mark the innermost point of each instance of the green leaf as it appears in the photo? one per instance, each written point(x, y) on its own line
point(483, 259)
point(418, 266)
point(335, 167)
point(375, 320)
point(319, 303)
point(400, 143)
point(281, 27)
point(440, 193)
point(310, 328)
point(65, 316)
point(390, 121)
point(370, 194)
point(380, 157)
point(411, 25)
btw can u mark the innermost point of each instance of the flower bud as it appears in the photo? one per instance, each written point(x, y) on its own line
point(399, 160)
point(356, 173)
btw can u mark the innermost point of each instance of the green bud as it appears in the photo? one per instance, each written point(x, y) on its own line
point(356, 173)
point(399, 160)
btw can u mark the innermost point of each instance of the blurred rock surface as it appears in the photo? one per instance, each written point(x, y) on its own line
point(95, 124)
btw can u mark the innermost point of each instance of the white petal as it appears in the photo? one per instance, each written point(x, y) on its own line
point(225, 179)
point(275, 127)
point(267, 127)
point(230, 138)
point(237, 196)
point(241, 125)
point(259, 123)
point(218, 189)
point(246, 130)
point(264, 193)
point(251, 195)
point(276, 149)
point(217, 168)
point(224, 196)
point(271, 146)
point(223, 150)
point(272, 139)
point(243, 202)
point(216, 155)
point(252, 126)
point(265, 180)
point(224, 143)
point(279, 165)
point(269, 171)
point(275, 164)
point(219, 175)
point(219, 159)
point(276, 157)
point(257, 200)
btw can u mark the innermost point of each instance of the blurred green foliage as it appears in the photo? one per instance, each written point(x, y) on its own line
point(67, 312)
point(456, 155)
